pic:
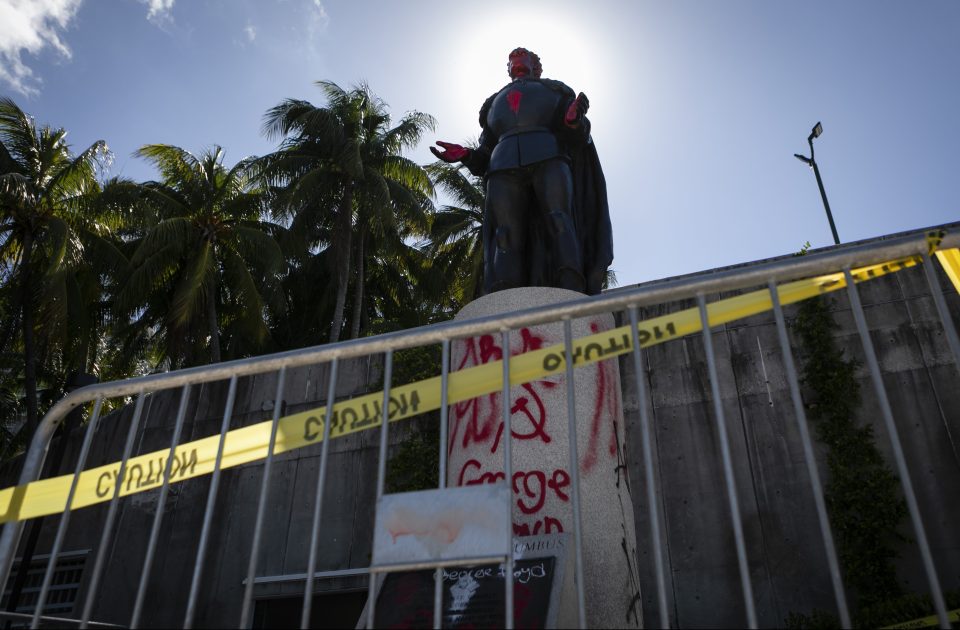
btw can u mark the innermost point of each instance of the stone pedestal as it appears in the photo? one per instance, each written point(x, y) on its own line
point(541, 478)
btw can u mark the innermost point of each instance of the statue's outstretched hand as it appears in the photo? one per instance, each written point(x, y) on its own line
point(451, 152)
point(577, 110)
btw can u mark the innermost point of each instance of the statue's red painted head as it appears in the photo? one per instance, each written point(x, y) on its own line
point(523, 62)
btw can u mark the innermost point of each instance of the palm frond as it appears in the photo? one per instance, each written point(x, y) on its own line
point(152, 273)
point(194, 285)
point(7, 163)
point(174, 163)
point(79, 175)
point(465, 190)
point(408, 173)
point(165, 200)
point(15, 186)
point(121, 203)
point(349, 159)
point(18, 132)
point(375, 195)
point(304, 120)
point(56, 240)
point(237, 276)
point(103, 254)
point(175, 234)
point(254, 244)
point(409, 132)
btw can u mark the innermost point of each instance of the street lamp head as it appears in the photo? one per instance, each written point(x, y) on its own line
point(804, 159)
point(817, 130)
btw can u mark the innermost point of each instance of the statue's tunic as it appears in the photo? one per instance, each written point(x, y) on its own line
point(520, 117)
point(523, 124)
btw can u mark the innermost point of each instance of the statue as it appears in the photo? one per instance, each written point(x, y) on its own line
point(546, 218)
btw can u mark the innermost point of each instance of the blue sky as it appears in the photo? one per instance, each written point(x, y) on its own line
point(697, 107)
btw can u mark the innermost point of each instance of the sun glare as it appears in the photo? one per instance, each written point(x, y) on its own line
point(569, 50)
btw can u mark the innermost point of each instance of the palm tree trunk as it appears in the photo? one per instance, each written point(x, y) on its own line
point(214, 323)
point(358, 287)
point(9, 330)
point(342, 237)
point(29, 350)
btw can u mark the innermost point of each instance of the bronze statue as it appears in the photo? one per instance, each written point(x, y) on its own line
point(546, 219)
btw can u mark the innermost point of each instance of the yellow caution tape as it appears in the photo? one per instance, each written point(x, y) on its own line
point(950, 260)
point(953, 616)
point(249, 444)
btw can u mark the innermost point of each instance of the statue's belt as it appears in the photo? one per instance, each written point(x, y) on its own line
point(520, 130)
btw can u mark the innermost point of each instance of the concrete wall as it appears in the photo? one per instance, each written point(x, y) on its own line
point(788, 570)
point(787, 562)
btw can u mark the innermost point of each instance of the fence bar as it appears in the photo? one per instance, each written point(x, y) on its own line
point(652, 500)
point(59, 622)
point(727, 466)
point(317, 575)
point(318, 499)
point(65, 518)
point(810, 458)
point(948, 328)
point(211, 506)
point(94, 583)
point(381, 472)
point(421, 565)
point(508, 476)
point(161, 503)
point(384, 422)
point(874, 366)
point(442, 473)
point(574, 472)
point(444, 410)
point(245, 611)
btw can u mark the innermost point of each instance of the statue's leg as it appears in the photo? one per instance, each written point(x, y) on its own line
point(506, 197)
point(553, 185)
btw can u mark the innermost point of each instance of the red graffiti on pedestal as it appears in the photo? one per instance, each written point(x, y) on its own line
point(545, 525)
point(532, 487)
point(607, 400)
point(481, 423)
point(476, 424)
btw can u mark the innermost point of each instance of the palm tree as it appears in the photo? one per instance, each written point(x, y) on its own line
point(394, 231)
point(397, 287)
point(345, 176)
point(50, 227)
point(456, 239)
point(206, 259)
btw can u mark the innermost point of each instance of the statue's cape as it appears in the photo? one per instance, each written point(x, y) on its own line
point(591, 214)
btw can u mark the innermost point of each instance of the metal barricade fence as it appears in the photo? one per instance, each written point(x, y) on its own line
point(626, 301)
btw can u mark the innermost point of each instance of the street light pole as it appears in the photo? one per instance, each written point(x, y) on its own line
point(817, 130)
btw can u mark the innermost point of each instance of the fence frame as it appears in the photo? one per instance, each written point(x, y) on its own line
point(628, 300)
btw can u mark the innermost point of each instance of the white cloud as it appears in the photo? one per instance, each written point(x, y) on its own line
point(159, 11)
point(31, 26)
point(319, 14)
point(250, 31)
point(316, 23)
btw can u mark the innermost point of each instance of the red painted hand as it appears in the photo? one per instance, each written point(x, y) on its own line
point(577, 110)
point(451, 152)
